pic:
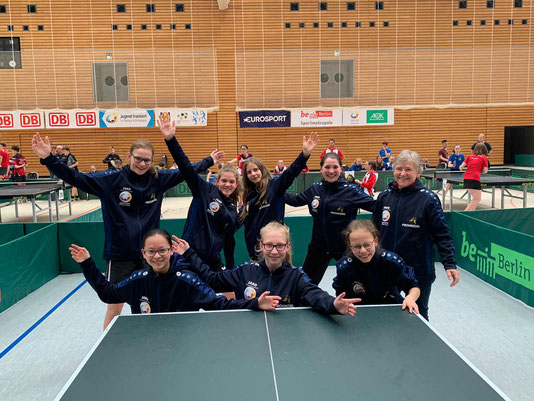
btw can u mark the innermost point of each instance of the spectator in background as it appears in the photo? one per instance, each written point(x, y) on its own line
point(240, 159)
point(443, 155)
point(174, 166)
point(112, 158)
point(482, 139)
point(380, 166)
point(19, 165)
point(72, 163)
point(280, 168)
point(385, 153)
point(425, 164)
point(161, 166)
point(4, 161)
point(389, 165)
point(332, 149)
point(456, 159)
point(369, 180)
point(59, 154)
point(92, 169)
point(356, 166)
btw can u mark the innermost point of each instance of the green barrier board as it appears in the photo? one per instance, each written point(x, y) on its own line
point(9, 232)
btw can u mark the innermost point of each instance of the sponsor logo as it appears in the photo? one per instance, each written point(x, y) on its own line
point(214, 207)
point(385, 215)
point(358, 288)
point(250, 293)
point(315, 204)
point(412, 223)
point(377, 116)
point(6, 121)
point(354, 115)
point(125, 197)
point(339, 212)
point(264, 119)
point(412, 220)
point(86, 119)
point(145, 307)
point(112, 118)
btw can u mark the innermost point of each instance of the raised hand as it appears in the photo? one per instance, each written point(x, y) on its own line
point(40, 147)
point(78, 253)
point(217, 156)
point(167, 128)
point(308, 145)
point(346, 306)
point(268, 302)
point(179, 245)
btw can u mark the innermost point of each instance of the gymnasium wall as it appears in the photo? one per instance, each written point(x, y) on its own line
point(446, 81)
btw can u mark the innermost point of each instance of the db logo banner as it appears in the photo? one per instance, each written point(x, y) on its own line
point(21, 120)
point(72, 119)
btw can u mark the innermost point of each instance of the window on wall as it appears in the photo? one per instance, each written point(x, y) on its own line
point(462, 4)
point(32, 8)
point(40, 27)
point(316, 25)
point(302, 25)
point(351, 6)
point(144, 27)
point(386, 24)
point(330, 25)
point(482, 22)
point(372, 24)
point(358, 24)
point(454, 23)
point(3, 9)
point(469, 22)
point(343, 25)
point(121, 8)
point(158, 27)
point(115, 27)
point(188, 26)
point(294, 7)
point(10, 28)
point(129, 27)
point(518, 3)
point(497, 22)
point(510, 22)
point(379, 5)
point(524, 22)
point(173, 26)
point(25, 27)
point(490, 4)
point(10, 53)
point(180, 8)
point(150, 8)
point(288, 25)
point(323, 6)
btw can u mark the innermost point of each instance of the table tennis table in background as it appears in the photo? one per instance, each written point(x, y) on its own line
point(293, 354)
point(31, 192)
point(493, 179)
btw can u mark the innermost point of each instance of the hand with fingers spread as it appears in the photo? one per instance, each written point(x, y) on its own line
point(217, 156)
point(345, 306)
point(40, 147)
point(179, 245)
point(308, 145)
point(78, 253)
point(268, 302)
point(167, 128)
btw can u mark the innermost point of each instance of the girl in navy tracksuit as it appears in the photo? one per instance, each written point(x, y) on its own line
point(263, 197)
point(213, 215)
point(332, 203)
point(165, 286)
point(375, 275)
point(273, 273)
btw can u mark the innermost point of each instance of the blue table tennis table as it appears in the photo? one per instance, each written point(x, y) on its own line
point(383, 353)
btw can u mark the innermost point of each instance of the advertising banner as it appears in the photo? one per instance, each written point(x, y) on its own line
point(367, 116)
point(72, 119)
point(264, 118)
point(21, 120)
point(316, 118)
point(114, 118)
point(183, 117)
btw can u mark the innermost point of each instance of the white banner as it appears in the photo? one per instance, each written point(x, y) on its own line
point(72, 119)
point(183, 117)
point(316, 117)
point(368, 116)
point(126, 118)
point(21, 120)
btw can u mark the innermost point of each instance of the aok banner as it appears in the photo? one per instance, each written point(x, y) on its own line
point(264, 118)
point(499, 256)
point(22, 120)
point(183, 117)
point(113, 118)
point(72, 119)
point(316, 118)
point(368, 116)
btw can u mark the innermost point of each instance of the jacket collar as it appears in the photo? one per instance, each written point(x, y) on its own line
point(285, 266)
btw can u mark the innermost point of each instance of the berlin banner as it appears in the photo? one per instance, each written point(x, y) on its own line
point(317, 118)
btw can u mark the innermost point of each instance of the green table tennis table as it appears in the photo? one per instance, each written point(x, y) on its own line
point(290, 354)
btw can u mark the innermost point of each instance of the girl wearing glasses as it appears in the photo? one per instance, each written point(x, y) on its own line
point(375, 275)
point(263, 196)
point(333, 203)
point(212, 217)
point(131, 203)
point(164, 286)
point(273, 273)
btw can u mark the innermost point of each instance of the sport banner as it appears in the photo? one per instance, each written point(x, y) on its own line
point(22, 120)
point(317, 117)
point(72, 119)
point(358, 116)
point(113, 118)
point(264, 118)
point(183, 117)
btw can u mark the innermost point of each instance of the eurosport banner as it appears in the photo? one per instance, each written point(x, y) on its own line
point(264, 118)
point(21, 120)
point(183, 117)
point(359, 116)
point(113, 118)
point(72, 119)
point(316, 117)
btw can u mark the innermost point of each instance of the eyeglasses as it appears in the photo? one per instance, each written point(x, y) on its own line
point(270, 247)
point(367, 245)
point(152, 252)
point(142, 160)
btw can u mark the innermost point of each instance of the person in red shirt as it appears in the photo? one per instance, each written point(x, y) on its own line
point(241, 158)
point(332, 148)
point(19, 163)
point(280, 167)
point(443, 154)
point(369, 180)
point(4, 161)
point(476, 163)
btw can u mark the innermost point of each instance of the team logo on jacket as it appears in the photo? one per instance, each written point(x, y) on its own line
point(412, 223)
point(152, 199)
point(214, 207)
point(144, 305)
point(385, 217)
point(358, 288)
point(315, 204)
point(250, 293)
point(125, 197)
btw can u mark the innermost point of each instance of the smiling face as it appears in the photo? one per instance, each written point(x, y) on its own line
point(331, 169)
point(157, 252)
point(274, 239)
point(140, 160)
point(457, 149)
point(244, 150)
point(254, 173)
point(227, 183)
point(363, 244)
point(405, 174)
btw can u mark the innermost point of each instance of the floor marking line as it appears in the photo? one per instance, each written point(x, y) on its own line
point(271, 354)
